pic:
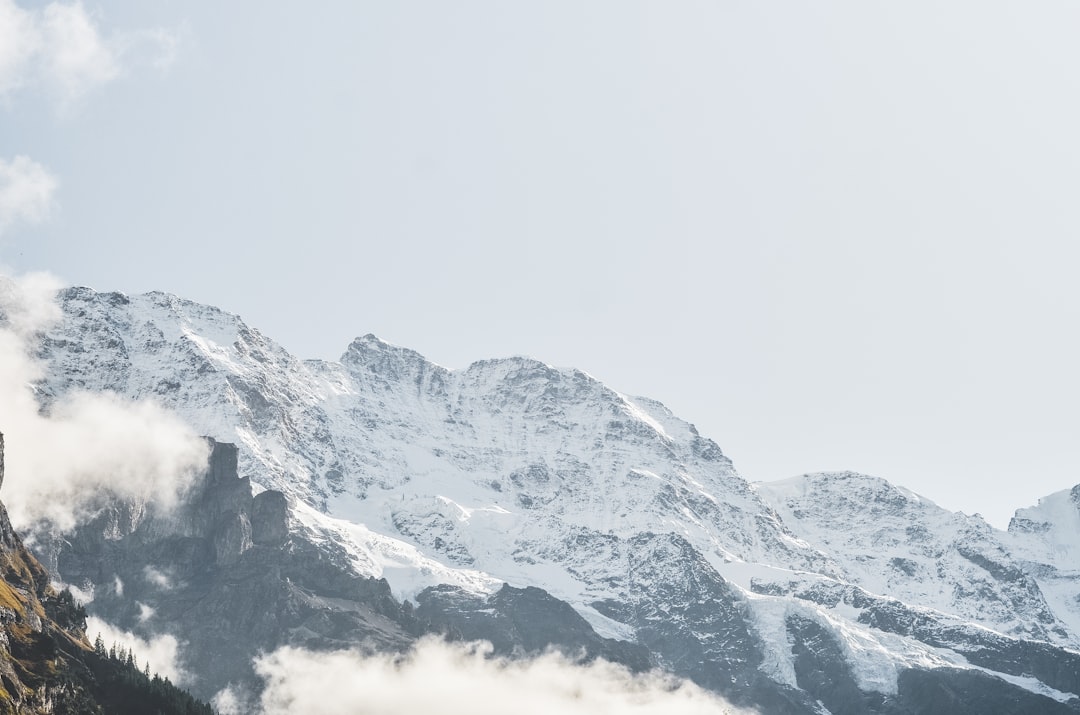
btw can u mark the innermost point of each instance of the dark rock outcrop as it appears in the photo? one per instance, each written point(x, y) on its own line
point(1057, 667)
point(522, 622)
point(225, 575)
point(823, 669)
point(222, 574)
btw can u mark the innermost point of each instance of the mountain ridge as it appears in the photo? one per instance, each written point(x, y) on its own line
point(512, 471)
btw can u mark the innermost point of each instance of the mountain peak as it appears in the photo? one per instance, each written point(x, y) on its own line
point(515, 471)
point(114, 298)
point(371, 355)
point(370, 344)
point(845, 485)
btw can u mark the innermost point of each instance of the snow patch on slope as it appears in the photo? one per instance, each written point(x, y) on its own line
point(377, 556)
point(889, 540)
point(513, 470)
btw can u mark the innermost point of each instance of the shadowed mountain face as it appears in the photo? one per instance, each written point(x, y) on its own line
point(46, 663)
point(396, 497)
point(222, 573)
point(225, 575)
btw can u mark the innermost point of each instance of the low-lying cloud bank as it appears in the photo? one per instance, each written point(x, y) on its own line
point(87, 445)
point(463, 679)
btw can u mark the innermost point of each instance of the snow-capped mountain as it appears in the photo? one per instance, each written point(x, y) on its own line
point(1046, 539)
point(889, 540)
point(478, 468)
point(835, 592)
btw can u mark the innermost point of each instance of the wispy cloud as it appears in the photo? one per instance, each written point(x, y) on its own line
point(27, 191)
point(456, 679)
point(20, 41)
point(162, 652)
point(59, 463)
point(75, 57)
point(63, 48)
point(155, 47)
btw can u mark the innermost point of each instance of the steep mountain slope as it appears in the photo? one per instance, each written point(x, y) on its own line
point(229, 574)
point(1046, 538)
point(889, 540)
point(450, 483)
point(472, 467)
point(46, 663)
point(909, 567)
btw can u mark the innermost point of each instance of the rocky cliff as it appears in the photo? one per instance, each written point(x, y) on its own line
point(233, 575)
point(47, 665)
point(617, 528)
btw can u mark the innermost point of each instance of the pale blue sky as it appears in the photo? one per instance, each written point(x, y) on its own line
point(837, 235)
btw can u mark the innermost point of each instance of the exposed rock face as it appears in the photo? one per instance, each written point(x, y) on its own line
point(232, 599)
point(824, 668)
point(46, 663)
point(522, 621)
point(225, 575)
point(387, 475)
point(222, 573)
point(270, 519)
point(889, 540)
point(32, 644)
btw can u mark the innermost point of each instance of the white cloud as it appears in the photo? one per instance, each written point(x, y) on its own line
point(161, 652)
point(26, 191)
point(82, 596)
point(20, 40)
point(157, 578)
point(62, 47)
point(455, 679)
point(229, 702)
point(156, 47)
point(87, 445)
point(145, 612)
point(76, 57)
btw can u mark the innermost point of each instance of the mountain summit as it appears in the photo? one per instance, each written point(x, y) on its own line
point(835, 592)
